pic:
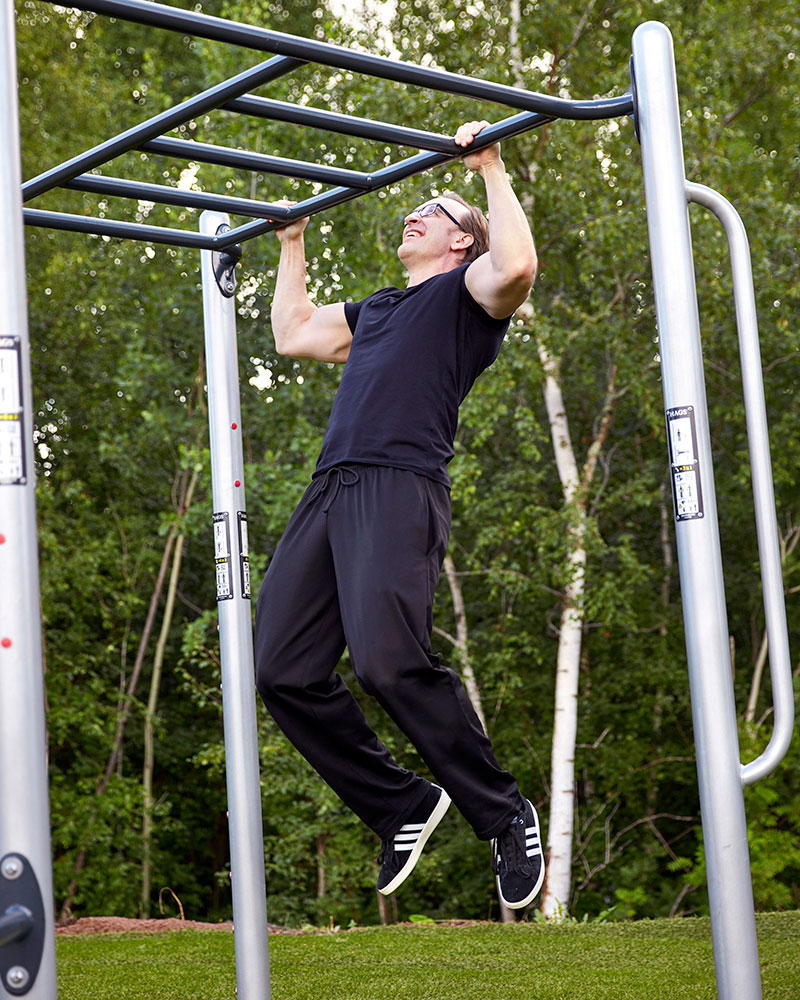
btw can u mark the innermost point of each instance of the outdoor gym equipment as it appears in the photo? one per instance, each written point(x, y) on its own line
point(27, 952)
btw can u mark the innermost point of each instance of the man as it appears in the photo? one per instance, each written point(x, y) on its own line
point(361, 556)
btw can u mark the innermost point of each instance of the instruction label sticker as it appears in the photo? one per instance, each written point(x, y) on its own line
point(687, 488)
point(222, 556)
point(244, 553)
point(12, 443)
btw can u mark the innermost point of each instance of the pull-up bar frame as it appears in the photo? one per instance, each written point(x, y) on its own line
point(231, 95)
point(27, 964)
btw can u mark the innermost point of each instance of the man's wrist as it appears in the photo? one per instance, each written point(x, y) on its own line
point(497, 166)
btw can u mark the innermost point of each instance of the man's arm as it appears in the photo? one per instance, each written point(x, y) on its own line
point(301, 329)
point(501, 279)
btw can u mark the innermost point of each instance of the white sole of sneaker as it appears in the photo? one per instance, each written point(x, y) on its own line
point(537, 852)
point(433, 821)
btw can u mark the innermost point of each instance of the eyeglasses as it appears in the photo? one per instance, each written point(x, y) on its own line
point(430, 208)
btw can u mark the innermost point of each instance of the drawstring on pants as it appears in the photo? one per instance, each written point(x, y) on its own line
point(343, 475)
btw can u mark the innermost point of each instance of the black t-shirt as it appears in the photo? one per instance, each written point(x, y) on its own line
point(415, 355)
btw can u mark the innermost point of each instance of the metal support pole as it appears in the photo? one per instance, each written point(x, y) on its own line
point(697, 531)
point(235, 622)
point(25, 858)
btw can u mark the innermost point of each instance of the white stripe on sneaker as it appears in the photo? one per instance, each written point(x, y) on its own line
point(412, 838)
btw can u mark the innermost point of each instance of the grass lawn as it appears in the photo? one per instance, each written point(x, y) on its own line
point(644, 960)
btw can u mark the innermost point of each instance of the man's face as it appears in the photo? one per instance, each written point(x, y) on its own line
point(430, 230)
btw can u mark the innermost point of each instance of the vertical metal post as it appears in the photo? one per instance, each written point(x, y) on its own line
point(235, 621)
point(27, 957)
point(697, 531)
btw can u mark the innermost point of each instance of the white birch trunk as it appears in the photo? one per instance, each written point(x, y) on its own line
point(461, 642)
point(555, 894)
point(461, 639)
point(574, 485)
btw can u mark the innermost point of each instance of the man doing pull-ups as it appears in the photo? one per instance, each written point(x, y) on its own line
point(361, 556)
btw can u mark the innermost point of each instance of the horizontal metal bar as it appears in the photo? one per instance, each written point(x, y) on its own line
point(164, 195)
point(309, 50)
point(132, 138)
point(239, 158)
point(311, 206)
point(393, 173)
point(120, 230)
point(331, 121)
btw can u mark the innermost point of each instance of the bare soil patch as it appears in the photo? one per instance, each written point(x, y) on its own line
point(121, 925)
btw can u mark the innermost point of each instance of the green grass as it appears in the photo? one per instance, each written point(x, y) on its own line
point(644, 960)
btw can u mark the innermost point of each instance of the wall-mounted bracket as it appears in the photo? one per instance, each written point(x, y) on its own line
point(22, 925)
point(224, 263)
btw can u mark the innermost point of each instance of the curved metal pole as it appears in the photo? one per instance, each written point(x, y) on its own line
point(780, 664)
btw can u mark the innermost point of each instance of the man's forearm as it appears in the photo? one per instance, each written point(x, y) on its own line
point(511, 247)
point(291, 305)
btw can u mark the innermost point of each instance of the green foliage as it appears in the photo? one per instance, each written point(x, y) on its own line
point(119, 381)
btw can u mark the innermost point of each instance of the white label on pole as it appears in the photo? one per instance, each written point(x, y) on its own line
point(222, 543)
point(12, 458)
point(222, 556)
point(12, 444)
point(241, 517)
point(687, 490)
point(687, 498)
point(224, 592)
point(10, 401)
point(244, 546)
point(681, 441)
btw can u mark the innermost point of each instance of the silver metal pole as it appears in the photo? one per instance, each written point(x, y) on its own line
point(235, 622)
point(27, 963)
point(697, 531)
point(27, 957)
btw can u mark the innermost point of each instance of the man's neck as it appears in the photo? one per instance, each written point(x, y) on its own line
point(428, 269)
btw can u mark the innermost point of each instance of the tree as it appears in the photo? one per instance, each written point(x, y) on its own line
point(117, 362)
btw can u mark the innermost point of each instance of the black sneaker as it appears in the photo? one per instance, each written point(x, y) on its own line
point(399, 855)
point(518, 859)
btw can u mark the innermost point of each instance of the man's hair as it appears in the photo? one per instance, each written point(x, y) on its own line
point(476, 224)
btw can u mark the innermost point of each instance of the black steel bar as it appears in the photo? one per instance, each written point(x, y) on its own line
point(311, 206)
point(309, 50)
point(390, 175)
point(225, 156)
point(184, 112)
point(122, 230)
point(331, 121)
point(15, 924)
point(120, 188)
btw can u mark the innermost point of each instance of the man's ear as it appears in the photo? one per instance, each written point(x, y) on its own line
point(462, 242)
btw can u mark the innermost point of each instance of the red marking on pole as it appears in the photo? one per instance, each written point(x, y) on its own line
point(237, 483)
point(233, 427)
point(2, 539)
point(5, 643)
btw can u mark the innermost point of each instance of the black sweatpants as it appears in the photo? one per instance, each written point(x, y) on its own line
point(358, 566)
